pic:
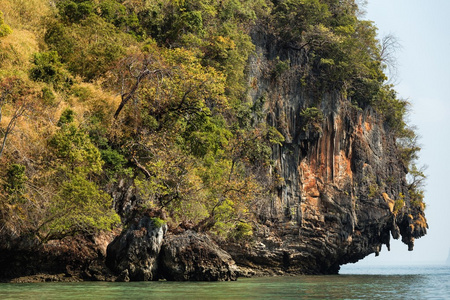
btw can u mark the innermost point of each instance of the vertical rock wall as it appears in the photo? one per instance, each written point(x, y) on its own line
point(341, 178)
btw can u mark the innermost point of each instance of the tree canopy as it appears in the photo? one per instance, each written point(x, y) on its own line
point(154, 92)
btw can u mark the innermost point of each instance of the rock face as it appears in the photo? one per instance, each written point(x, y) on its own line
point(134, 253)
point(194, 256)
point(339, 201)
point(341, 178)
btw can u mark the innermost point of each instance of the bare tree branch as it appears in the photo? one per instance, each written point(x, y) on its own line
point(128, 95)
point(142, 168)
point(362, 5)
point(389, 45)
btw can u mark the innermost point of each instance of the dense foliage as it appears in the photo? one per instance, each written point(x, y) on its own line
point(94, 92)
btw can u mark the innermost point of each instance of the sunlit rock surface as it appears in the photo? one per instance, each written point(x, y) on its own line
point(341, 179)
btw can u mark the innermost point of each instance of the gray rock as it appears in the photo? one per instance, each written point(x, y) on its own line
point(136, 250)
point(195, 256)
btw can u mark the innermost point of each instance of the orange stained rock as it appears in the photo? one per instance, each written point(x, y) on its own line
point(420, 221)
point(343, 166)
point(309, 181)
point(359, 128)
point(390, 202)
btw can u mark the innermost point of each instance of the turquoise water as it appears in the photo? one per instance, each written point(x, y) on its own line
point(430, 282)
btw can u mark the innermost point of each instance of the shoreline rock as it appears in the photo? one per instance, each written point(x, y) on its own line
point(195, 256)
point(146, 252)
point(135, 251)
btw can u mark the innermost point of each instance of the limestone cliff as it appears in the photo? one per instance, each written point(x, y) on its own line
point(264, 129)
point(342, 177)
point(342, 193)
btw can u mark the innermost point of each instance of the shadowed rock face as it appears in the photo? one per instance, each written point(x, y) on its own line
point(194, 256)
point(71, 259)
point(341, 179)
point(134, 254)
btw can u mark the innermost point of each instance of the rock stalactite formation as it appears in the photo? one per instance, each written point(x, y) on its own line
point(342, 178)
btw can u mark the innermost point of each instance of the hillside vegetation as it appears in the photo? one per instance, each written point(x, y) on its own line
point(95, 92)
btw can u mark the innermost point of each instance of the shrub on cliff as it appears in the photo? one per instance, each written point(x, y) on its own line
point(4, 29)
point(15, 183)
point(48, 68)
point(312, 119)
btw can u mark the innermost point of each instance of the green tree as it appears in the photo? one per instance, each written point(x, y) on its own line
point(74, 151)
point(48, 68)
point(75, 11)
point(78, 207)
point(88, 48)
point(67, 117)
point(78, 203)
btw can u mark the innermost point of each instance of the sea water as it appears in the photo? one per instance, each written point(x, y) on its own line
point(399, 282)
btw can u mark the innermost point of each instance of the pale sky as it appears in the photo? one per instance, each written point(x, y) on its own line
point(423, 29)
